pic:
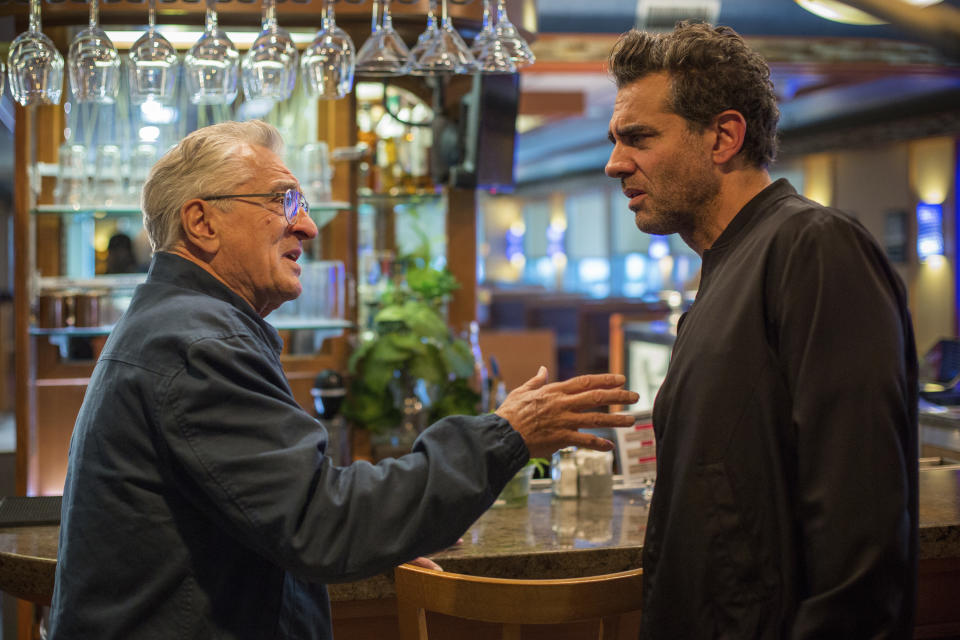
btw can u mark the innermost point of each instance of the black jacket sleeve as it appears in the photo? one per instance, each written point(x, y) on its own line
point(846, 347)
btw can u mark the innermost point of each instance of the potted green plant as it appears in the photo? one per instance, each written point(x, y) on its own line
point(411, 361)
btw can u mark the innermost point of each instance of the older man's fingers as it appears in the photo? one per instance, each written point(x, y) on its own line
point(596, 420)
point(591, 381)
point(599, 398)
point(590, 441)
point(536, 381)
point(426, 563)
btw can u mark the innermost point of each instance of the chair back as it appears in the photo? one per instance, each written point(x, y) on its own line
point(513, 603)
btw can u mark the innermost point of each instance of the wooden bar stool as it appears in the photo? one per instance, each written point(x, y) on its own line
point(515, 603)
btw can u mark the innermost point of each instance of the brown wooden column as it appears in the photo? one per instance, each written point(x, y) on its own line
point(338, 240)
point(462, 255)
point(21, 271)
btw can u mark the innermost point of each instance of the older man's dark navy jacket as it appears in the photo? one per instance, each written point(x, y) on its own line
point(198, 500)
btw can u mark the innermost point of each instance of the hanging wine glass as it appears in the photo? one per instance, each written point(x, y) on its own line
point(270, 66)
point(93, 63)
point(327, 66)
point(211, 64)
point(487, 32)
point(425, 40)
point(35, 65)
point(154, 64)
point(510, 39)
point(495, 58)
point(383, 53)
point(492, 56)
point(447, 53)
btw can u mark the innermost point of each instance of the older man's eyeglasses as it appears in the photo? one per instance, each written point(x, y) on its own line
point(292, 199)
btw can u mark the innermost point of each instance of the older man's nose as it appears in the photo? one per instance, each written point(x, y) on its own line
point(304, 225)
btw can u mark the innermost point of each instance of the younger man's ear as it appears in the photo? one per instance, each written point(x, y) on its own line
point(199, 230)
point(731, 129)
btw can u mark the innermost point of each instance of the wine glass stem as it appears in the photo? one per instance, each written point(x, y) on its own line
point(35, 16)
point(387, 18)
point(211, 21)
point(269, 20)
point(152, 14)
point(375, 26)
point(94, 13)
point(329, 17)
point(502, 11)
point(432, 14)
point(443, 11)
point(486, 16)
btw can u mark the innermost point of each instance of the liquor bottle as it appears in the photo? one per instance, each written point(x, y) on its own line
point(420, 159)
point(480, 380)
point(367, 135)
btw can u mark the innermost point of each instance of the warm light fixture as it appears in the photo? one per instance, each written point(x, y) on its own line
point(842, 12)
point(932, 168)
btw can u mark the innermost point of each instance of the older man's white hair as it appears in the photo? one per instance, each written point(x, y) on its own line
point(211, 160)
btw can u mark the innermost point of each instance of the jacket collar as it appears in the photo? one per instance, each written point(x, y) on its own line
point(751, 212)
point(169, 268)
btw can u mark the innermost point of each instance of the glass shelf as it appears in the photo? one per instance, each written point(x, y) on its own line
point(369, 197)
point(286, 324)
point(98, 211)
point(101, 211)
point(323, 328)
point(108, 282)
point(72, 332)
point(317, 324)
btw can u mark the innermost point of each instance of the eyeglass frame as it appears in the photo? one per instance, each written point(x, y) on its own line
point(289, 215)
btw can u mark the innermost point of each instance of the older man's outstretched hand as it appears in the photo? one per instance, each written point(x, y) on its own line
point(548, 416)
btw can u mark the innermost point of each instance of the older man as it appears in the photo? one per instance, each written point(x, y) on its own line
point(199, 502)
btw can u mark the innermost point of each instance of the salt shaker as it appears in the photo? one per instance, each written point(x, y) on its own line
point(595, 469)
point(563, 472)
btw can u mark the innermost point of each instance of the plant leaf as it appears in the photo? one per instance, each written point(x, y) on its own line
point(458, 358)
point(429, 366)
point(424, 321)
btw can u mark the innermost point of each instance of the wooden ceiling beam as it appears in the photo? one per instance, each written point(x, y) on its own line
point(552, 103)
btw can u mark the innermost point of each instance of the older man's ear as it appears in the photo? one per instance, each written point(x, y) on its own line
point(199, 228)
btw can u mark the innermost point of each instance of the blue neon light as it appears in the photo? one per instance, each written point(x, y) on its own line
point(929, 230)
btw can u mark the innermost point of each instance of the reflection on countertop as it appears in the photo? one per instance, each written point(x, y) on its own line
point(556, 538)
point(549, 538)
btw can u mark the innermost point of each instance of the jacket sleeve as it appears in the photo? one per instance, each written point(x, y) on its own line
point(242, 449)
point(849, 361)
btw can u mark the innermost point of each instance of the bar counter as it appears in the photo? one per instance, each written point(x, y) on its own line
point(560, 538)
point(940, 431)
point(551, 538)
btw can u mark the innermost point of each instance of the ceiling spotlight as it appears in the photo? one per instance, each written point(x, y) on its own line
point(842, 12)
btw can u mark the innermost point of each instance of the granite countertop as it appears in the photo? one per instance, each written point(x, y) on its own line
point(28, 560)
point(940, 427)
point(553, 538)
point(549, 538)
point(944, 417)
